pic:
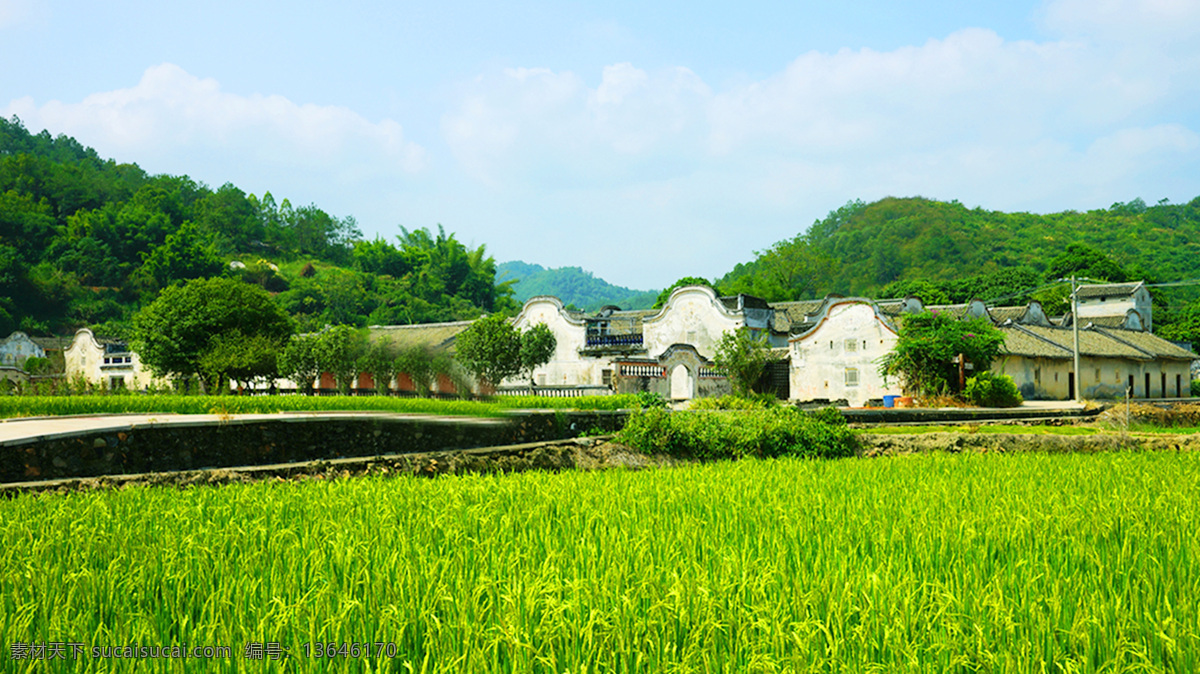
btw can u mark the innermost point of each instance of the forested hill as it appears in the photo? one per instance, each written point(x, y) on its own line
point(572, 285)
point(85, 241)
point(874, 249)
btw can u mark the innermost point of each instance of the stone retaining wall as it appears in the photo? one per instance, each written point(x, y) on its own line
point(187, 446)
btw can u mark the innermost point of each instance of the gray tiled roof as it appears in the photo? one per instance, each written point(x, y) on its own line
point(791, 315)
point(1107, 290)
point(1018, 342)
point(1091, 342)
point(436, 335)
point(1148, 342)
point(1001, 314)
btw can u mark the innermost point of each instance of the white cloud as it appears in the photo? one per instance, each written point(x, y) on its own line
point(171, 112)
point(551, 126)
point(1076, 122)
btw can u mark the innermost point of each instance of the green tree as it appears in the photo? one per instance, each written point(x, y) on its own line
point(493, 350)
point(685, 281)
point(537, 347)
point(929, 344)
point(490, 349)
point(239, 357)
point(1084, 261)
point(184, 255)
point(173, 332)
point(742, 358)
point(298, 361)
point(1185, 327)
point(382, 364)
point(338, 351)
point(418, 362)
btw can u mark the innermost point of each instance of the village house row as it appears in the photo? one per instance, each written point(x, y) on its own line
point(824, 350)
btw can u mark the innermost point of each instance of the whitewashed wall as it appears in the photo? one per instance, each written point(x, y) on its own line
point(692, 315)
point(566, 367)
point(821, 357)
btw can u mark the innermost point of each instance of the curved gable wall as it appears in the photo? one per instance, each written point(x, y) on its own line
point(693, 315)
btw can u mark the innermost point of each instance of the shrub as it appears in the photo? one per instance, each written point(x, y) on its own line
point(650, 400)
point(754, 401)
point(991, 390)
point(710, 434)
point(1195, 388)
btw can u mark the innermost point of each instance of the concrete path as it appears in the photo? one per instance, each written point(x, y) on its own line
point(23, 429)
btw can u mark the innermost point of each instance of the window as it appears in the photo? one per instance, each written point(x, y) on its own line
point(606, 377)
point(851, 345)
point(851, 376)
point(1097, 374)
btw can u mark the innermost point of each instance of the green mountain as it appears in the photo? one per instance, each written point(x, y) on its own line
point(946, 252)
point(862, 249)
point(572, 285)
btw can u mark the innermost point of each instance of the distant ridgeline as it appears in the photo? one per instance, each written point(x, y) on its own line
point(572, 285)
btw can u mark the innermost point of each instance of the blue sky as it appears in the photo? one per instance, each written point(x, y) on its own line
point(643, 142)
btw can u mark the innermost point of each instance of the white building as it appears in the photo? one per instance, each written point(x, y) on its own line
point(107, 363)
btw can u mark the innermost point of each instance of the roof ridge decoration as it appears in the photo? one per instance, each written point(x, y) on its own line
point(683, 290)
point(822, 315)
point(566, 315)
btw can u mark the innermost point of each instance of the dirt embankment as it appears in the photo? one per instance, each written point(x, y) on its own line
point(883, 445)
point(581, 453)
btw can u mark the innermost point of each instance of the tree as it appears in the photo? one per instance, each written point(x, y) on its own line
point(242, 358)
point(537, 348)
point(1085, 261)
point(173, 332)
point(338, 351)
point(417, 361)
point(383, 366)
point(1185, 327)
point(929, 343)
point(742, 358)
point(685, 281)
point(298, 361)
point(493, 350)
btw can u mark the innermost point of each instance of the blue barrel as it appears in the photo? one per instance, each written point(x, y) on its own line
point(889, 401)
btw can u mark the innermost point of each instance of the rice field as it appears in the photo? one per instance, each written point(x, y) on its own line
point(927, 563)
point(38, 406)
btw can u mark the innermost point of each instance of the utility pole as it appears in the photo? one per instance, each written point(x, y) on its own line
point(1075, 329)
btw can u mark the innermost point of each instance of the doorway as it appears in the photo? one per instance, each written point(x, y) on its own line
point(681, 383)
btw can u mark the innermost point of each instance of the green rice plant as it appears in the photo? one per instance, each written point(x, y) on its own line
point(24, 406)
point(928, 563)
point(610, 402)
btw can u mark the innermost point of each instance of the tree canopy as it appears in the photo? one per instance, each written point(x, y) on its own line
point(928, 344)
point(493, 349)
point(176, 334)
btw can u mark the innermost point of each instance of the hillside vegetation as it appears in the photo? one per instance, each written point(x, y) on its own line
point(945, 252)
point(862, 249)
point(86, 241)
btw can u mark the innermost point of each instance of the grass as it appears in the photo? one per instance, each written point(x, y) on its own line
point(31, 406)
point(988, 428)
point(925, 563)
